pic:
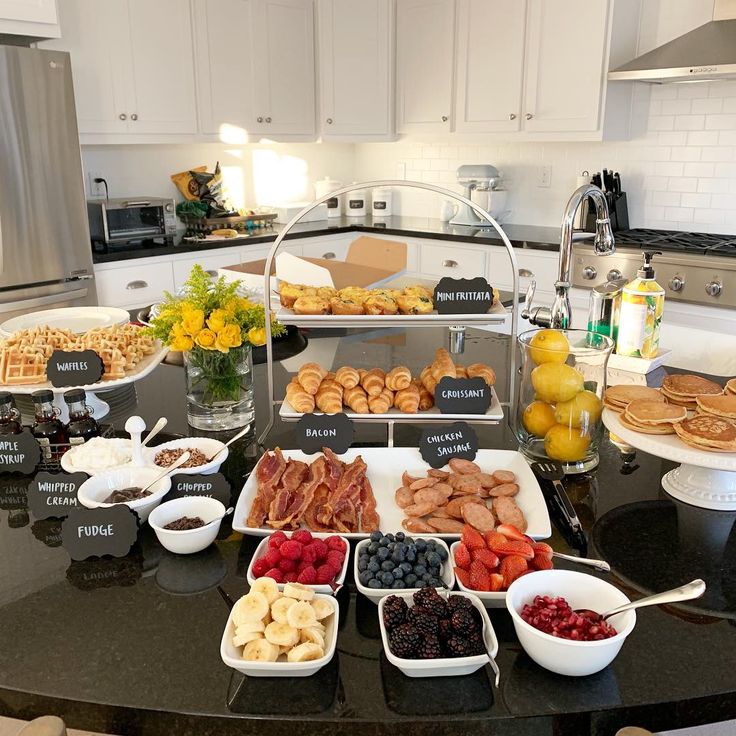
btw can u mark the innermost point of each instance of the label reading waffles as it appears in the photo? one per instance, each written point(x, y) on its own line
point(54, 494)
point(315, 431)
point(463, 296)
point(97, 532)
point(439, 444)
point(462, 396)
point(74, 368)
point(19, 453)
point(213, 486)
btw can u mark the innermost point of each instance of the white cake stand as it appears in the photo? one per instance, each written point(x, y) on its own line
point(705, 479)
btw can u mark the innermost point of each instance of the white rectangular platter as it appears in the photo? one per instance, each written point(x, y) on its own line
point(385, 466)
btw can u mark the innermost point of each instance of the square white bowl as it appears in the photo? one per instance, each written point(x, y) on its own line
point(444, 666)
point(489, 600)
point(207, 445)
point(375, 594)
point(324, 589)
point(281, 668)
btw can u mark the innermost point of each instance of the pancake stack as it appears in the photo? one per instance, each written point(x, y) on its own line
point(652, 417)
point(619, 397)
point(708, 432)
point(683, 389)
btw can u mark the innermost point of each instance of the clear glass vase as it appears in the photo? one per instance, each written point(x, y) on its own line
point(219, 388)
point(560, 396)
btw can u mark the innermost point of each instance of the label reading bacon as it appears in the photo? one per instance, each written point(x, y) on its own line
point(315, 431)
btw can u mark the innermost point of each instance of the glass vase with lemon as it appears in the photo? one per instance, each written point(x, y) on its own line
point(560, 396)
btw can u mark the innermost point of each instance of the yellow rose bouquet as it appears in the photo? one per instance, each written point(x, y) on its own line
point(215, 328)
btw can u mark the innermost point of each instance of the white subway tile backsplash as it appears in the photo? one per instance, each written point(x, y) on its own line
point(720, 122)
point(685, 153)
point(691, 122)
point(662, 122)
point(668, 199)
point(682, 184)
point(723, 201)
point(713, 185)
point(678, 214)
point(717, 153)
point(709, 105)
point(725, 170)
point(701, 169)
point(671, 138)
point(703, 138)
point(674, 107)
point(695, 199)
point(669, 168)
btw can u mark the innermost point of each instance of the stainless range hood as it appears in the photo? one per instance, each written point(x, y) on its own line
point(707, 53)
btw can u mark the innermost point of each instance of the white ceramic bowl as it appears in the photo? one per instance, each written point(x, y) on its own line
point(580, 590)
point(189, 541)
point(444, 666)
point(281, 668)
point(262, 548)
point(375, 594)
point(489, 600)
point(68, 458)
point(207, 445)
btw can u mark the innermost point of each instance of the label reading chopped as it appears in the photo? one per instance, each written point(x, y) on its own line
point(463, 296)
point(214, 486)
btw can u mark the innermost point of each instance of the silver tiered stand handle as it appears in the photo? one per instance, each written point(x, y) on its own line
point(484, 216)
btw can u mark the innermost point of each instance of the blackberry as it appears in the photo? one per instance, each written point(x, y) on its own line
point(459, 601)
point(429, 648)
point(404, 640)
point(444, 629)
point(394, 612)
point(430, 599)
point(457, 646)
point(463, 623)
point(423, 620)
point(476, 645)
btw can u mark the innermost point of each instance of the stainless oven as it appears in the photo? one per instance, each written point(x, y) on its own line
point(126, 219)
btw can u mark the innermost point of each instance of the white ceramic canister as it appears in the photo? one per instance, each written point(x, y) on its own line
point(324, 187)
point(355, 203)
point(382, 202)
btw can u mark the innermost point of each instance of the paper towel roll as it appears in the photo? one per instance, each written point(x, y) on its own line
point(582, 214)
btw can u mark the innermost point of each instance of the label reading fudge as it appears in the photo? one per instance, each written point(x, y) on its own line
point(19, 453)
point(439, 445)
point(463, 296)
point(54, 494)
point(74, 368)
point(315, 431)
point(98, 532)
point(213, 486)
point(462, 396)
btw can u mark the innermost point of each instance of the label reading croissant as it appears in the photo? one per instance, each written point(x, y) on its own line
point(463, 296)
point(315, 431)
point(439, 445)
point(66, 368)
point(462, 396)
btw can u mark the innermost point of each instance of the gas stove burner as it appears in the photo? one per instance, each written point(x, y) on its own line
point(676, 240)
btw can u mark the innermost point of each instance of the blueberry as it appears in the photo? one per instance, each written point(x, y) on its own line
point(398, 584)
point(400, 536)
point(410, 579)
point(375, 536)
point(398, 556)
point(442, 552)
point(406, 567)
point(409, 540)
point(433, 559)
point(420, 570)
point(421, 545)
point(398, 572)
point(431, 544)
point(384, 541)
point(411, 554)
point(387, 565)
point(374, 567)
point(419, 584)
point(426, 577)
point(387, 579)
point(434, 583)
point(391, 537)
point(362, 565)
point(383, 553)
point(374, 558)
point(421, 559)
point(372, 548)
point(364, 577)
point(375, 583)
point(434, 572)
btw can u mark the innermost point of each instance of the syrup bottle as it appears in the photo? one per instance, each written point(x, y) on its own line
point(47, 428)
point(81, 425)
point(9, 415)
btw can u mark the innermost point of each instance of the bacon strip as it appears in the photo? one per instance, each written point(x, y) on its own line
point(291, 481)
point(302, 496)
point(268, 472)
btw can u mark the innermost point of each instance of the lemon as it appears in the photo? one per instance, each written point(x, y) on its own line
point(538, 417)
point(555, 382)
point(582, 410)
point(566, 444)
point(549, 346)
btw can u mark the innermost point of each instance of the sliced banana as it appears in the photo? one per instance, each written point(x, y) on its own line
point(261, 650)
point(305, 653)
point(313, 635)
point(322, 608)
point(282, 635)
point(250, 626)
point(268, 587)
point(280, 607)
point(240, 639)
point(298, 591)
point(284, 650)
point(301, 615)
point(251, 607)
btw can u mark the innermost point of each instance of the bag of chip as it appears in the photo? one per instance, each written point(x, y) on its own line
point(186, 183)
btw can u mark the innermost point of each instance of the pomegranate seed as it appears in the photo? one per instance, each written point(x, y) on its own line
point(554, 616)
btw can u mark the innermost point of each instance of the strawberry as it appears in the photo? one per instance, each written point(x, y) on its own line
point(260, 567)
point(276, 574)
point(335, 542)
point(277, 539)
point(308, 576)
point(496, 582)
point(302, 536)
point(335, 559)
point(541, 562)
point(486, 557)
point(320, 548)
point(511, 567)
point(290, 577)
point(480, 579)
point(511, 532)
point(472, 538)
point(493, 538)
point(325, 574)
point(542, 548)
point(287, 565)
point(512, 547)
point(291, 549)
point(273, 557)
point(462, 556)
point(463, 576)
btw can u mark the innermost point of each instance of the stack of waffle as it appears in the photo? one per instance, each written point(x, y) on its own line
point(23, 355)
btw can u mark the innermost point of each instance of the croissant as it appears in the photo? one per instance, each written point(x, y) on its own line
point(481, 370)
point(383, 402)
point(407, 399)
point(443, 365)
point(310, 376)
point(426, 401)
point(347, 377)
point(357, 399)
point(461, 371)
point(428, 380)
point(373, 381)
point(329, 397)
point(299, 399)
point(398, 378)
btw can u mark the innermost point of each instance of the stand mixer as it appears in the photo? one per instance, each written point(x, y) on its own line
point(478, 177)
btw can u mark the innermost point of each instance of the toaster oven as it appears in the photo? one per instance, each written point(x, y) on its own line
point(128, 219)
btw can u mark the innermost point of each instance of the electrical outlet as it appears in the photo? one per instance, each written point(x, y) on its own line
point(95, 190)
point(544, 177)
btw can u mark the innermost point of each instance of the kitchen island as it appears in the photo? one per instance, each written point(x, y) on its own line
point(131, 645)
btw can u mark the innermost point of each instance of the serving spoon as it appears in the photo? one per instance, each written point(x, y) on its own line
point(601, 565)
point(219, 518)
point(693, 589)
point(168, 470)
point(240, 434)
point(160, 424)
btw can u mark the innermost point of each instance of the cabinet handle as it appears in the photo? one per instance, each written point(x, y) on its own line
point(512, 116)
point(134, 116)
point(259, 119)
point(328, 256)
point(268, 119)
point(449, 264)
point(525, 273)
point(137, 285)
point(329, 121)
point(212, 273)
point(444, 118)
point(123, 116)
point(529, 116)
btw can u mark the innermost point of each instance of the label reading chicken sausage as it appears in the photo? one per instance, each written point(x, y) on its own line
point(315, 431)
point(462, 396)
point(463, 296)
point(438, 445)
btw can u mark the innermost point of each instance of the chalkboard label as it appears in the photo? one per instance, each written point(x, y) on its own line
point(14, 492)
point(462, 396)
point(47, 531)
point(54, 494)
point(315, 431)
point(19, 453)
point(440, 444)
point(97, 532)
point(214, 486)
point(93, 574)
point(332, 203)
point(67, 368)
point(463, 296)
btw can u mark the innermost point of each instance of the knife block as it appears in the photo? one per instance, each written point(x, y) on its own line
point(618, 211)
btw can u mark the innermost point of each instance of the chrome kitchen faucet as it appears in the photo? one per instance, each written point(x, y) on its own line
point(559, 315)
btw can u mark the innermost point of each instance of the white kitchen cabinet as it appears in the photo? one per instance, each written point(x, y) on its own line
point(490, 65)
point(355, 68)
point(567, 42)
point(32, 18)
point(133, 286)
point(424, 65)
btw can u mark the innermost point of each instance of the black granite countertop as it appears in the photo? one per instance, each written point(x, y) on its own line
point(522, 236)
point(131, 645)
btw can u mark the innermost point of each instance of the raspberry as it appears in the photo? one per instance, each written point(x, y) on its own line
point(511, 567)
point(273, 557)
point(308, 576)
point(463, 576)
point(486, 557)
point(276, 574)
point(277, 539)
point(287, 565)
point(302, 536)
point(325, 574)
point(302, 564)
point(309, 554)
point(462, 556)
point(290, 577)
point(541, 562)
point(291, 549)
point(336, 543)
point(472, 538)
point(335, 559)
point(260, 567)
point(480, 579)
point(320, 548)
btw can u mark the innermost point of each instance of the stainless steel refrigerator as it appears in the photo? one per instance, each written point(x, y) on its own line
point(45, 253)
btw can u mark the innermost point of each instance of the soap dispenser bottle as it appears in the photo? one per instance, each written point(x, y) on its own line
point(642, 304)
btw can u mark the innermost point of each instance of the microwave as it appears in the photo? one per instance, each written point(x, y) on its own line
point(120, 221)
